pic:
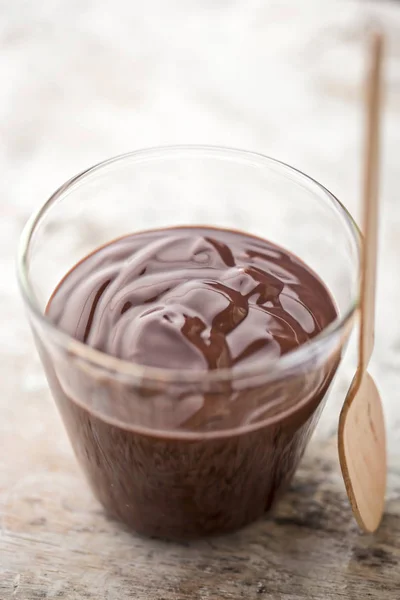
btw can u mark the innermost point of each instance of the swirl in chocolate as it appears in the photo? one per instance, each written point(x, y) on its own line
point(192, 298)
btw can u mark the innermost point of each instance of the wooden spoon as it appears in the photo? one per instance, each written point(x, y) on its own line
point(362, 438)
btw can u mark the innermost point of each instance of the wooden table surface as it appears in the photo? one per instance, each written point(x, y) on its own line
point(82, 81)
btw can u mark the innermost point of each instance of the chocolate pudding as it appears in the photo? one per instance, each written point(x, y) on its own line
point(190, 455)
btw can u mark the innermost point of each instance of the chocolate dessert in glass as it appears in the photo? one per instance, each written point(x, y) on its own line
point(190, 306)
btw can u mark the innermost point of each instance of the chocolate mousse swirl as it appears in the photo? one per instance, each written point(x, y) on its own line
point(192, 298)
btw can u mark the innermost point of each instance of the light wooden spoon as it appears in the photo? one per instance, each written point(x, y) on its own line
point(362, 438)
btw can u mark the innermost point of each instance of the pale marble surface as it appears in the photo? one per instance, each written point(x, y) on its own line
point(85, 80)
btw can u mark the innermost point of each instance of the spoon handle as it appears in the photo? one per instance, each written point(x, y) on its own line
point(370, 204)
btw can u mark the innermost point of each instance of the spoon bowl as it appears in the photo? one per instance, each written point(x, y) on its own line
point(363, 455)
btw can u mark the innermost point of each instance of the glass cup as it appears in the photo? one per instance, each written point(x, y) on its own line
point(127, 423)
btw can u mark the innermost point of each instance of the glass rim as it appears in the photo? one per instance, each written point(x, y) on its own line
point(126, 368)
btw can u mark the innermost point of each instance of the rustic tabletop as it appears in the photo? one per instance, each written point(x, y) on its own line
point(85, 80)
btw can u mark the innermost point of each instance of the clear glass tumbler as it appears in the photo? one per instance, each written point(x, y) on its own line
point(124, 420)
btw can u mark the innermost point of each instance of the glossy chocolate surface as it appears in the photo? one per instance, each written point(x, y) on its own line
point(192, 298)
